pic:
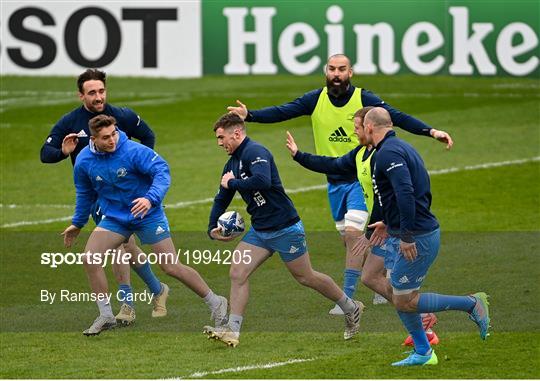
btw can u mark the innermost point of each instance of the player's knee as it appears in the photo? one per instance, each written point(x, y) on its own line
point(402, 304)
point(367, 279)
point(238, 275)
point(356, 219)
point(306, 280)
point(173, 269)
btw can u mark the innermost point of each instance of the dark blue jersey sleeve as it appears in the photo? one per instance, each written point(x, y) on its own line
point(397, 171)
point(51, 151)
point(399, 119)
point(221, 203)
point(343, 165)
point(137, 128)
point(303, 105)
point(258, 163)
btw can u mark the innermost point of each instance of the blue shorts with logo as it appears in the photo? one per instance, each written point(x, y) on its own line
point(386, 252)
point(150, 229)
point(409, 275)
point(289, 242)
point(344, 197)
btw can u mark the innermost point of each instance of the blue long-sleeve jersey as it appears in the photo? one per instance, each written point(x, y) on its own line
point(258, 182)
point(77, 122)
point(305, 105)
point(115, 179)
point(402, 188)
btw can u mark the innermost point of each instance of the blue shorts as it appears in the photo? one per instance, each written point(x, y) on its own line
point(386, 252)
point(151, 229)
point(344, 197)
point(96, 214)
point(407, 275)
point(289, 242)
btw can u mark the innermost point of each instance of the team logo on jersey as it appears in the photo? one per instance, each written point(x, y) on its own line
point(259, 160)
point(339, 136)
point(394, 165)
point(121, 172)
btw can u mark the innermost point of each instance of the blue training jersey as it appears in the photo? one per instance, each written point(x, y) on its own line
point(257, 180)
point(115, 179)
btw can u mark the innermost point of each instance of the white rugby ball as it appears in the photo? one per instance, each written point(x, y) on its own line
point(231, 224)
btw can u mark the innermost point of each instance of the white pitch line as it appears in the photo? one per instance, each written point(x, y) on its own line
point(183, 204)
point(248, 367)
point(483, 166)
point(40, 222)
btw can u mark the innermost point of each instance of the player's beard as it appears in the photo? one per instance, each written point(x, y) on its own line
point(339, 89)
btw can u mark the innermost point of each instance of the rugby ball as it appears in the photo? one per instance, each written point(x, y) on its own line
point(231, 224)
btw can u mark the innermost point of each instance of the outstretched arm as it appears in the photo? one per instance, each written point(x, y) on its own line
point(343, 165)
point(406, 121)
point(303, 105)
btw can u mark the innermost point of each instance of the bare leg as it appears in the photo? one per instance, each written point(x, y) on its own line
point(172, 267)
point(353, 260)
point(374, 276)
point(302, 271)
point(239, 274)
point(98, 243)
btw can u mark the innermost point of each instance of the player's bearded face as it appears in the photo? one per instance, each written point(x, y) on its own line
point(337, 83)
point(94, 96)
point(359, 131)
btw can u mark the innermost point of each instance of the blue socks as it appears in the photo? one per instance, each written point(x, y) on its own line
point(350, 280)
point(430, 302)
point(125, 293)
point(146, 274)
point(413, 322)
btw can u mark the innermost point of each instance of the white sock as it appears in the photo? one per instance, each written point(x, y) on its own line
point(235, 322)
point(211, 300)
point(104, 308)
point(346, 304)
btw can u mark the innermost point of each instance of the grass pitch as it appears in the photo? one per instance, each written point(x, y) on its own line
point(486, 194)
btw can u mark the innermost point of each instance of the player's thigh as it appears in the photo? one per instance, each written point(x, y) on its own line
point(409, 275)
point(354, 197)
point(165, 252)
point(373, 266)
point(337, 198)
point(101, 240)
point(300, 267)
point(289, 242)
point(249, 259)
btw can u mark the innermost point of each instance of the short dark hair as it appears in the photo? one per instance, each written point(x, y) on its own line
point(98, 122)
point(228, 121)
point(362, 112)
point(91, 75)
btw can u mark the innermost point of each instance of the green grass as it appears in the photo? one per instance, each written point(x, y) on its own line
point(489, 217)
